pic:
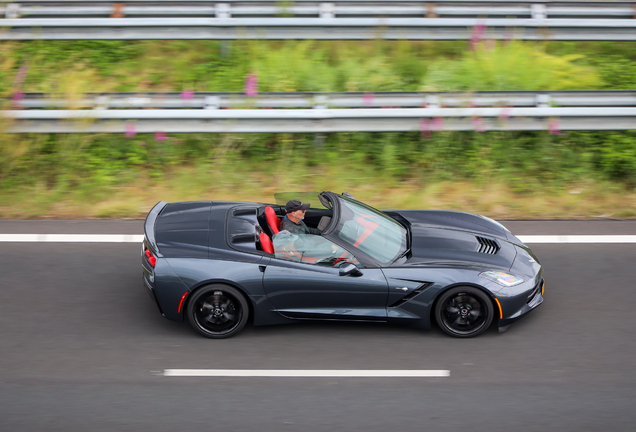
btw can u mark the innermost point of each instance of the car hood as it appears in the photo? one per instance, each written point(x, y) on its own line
point(457, 238)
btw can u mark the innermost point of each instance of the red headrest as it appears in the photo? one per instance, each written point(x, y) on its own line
point(266, 242)
point(272, 219)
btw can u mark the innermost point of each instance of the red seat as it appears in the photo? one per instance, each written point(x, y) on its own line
point(266, 243)
point(272, 219)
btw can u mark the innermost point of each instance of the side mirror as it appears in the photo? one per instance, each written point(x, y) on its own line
point(348, 269)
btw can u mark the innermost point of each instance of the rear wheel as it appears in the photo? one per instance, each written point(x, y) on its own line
point(217, 311)
point(464, 312)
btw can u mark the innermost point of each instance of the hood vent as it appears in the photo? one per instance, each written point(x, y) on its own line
point(487, 246)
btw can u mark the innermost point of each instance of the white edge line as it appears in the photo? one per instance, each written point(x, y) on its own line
point(72, 238)
point(306, 373)
point(578, 238)
point(138, 238)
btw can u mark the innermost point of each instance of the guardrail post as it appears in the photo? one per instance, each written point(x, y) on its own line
point(327, 10)
point(12, 11)
point(118, 10)
point(320, 102)
point(212, 102)
point(538, 11)
point(543, 100)
point(432, 101)
point(101, 103)
point(430, 10)
point(223, 10)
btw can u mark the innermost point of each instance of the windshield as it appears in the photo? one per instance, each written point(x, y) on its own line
point(306, 197)
point(370, 231)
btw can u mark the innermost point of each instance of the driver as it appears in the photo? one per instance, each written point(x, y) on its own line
point(293, 221)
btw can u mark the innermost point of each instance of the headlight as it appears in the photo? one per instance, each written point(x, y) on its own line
point(502, 278)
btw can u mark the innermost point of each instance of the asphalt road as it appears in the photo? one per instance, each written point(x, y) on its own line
point(82, 348)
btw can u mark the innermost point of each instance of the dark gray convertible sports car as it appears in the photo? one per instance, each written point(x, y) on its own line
point(217, 264)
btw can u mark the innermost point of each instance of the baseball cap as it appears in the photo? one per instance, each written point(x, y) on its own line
point(293, 205)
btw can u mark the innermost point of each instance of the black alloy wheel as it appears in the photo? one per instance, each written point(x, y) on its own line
point(217, 311)
point(464, 312)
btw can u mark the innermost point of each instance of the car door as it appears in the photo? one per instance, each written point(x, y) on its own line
point(305, 290)
point(303, 280)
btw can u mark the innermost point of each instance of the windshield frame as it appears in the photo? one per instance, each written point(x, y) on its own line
point(332, 230)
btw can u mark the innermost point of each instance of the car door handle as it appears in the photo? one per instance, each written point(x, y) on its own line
point(262, 268)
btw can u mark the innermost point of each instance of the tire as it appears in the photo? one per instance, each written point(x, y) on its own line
point(217, 311)
point(464, 312)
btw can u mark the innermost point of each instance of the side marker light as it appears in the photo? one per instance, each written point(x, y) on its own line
point(152, 260)
point(500, 310)
point(181, 302)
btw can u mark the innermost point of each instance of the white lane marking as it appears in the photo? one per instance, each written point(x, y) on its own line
point(73, 238)
point(138, 238)
point(578, 238)
point(311, 373)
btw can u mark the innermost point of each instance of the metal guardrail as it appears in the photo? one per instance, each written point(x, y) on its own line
point(481, 111)
point(208, 100)
point(331, 8)
point(301, 19)
point(539, 9)
point(317, 28)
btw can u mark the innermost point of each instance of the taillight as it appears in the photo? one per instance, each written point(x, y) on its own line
point(151, 259)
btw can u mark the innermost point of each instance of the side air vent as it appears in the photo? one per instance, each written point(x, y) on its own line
point(415, 292)
point(487, 246)
point(243, 238)
point(250, 211)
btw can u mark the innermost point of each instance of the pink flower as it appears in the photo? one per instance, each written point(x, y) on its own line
point(479, 124)
point(160, 136)
point(23, 70)
point(368, 98)
point(251, 85)
point(425, 127)
point(505, 113)
point(131, 130)
point(478, 31)
point(438, 124)
point(553, 127)
point(18, 96)
point(187, 94)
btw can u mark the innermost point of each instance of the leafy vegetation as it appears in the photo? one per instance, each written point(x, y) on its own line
point(512, 65)
point(79, 175)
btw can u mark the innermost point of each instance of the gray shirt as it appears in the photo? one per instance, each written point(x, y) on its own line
point(297, 228)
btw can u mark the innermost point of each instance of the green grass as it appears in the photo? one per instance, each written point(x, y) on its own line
point(250, 182)
point(501, 174)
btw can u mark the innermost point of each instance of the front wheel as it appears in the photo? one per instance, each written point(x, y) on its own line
point(217, 311)
point(464, 312)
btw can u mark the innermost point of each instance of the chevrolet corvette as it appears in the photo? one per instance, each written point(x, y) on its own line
point(220, 264)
